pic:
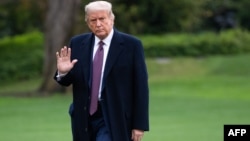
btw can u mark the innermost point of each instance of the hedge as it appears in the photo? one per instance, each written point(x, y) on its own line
point(202, 44)
point(21, 56)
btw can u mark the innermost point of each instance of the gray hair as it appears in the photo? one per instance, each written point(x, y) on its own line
point(99, 5)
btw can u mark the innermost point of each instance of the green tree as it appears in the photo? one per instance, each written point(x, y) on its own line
point(20, 16)
point(158, 16)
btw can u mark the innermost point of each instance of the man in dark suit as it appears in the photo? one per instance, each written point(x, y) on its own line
point(117, 78)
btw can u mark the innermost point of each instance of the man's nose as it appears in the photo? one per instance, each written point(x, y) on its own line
point(98, 22)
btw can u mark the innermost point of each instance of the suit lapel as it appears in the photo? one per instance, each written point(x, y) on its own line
point(86, 50)
point(114, 51)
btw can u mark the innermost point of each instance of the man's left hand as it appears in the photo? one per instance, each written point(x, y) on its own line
point(137, 135)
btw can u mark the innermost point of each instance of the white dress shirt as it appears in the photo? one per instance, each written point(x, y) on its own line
point(107, 42)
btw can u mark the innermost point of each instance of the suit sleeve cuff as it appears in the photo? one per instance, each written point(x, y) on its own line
point(60, 76)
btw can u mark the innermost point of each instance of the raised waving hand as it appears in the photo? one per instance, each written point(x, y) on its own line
point(64, 63)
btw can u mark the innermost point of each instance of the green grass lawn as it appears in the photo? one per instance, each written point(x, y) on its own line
point(190, 99)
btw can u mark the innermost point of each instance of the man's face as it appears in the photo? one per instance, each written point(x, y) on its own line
point(100, 23)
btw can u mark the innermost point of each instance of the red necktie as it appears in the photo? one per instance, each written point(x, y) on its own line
point(96, 78)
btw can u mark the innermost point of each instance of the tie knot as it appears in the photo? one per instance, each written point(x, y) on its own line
point(101, 43)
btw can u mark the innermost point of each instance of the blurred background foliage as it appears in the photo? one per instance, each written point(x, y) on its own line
point(21, 16)
point(167, 28)
point(136, 16)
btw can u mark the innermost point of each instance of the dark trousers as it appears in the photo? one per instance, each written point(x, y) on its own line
point(99, 130)
point(98, 127)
